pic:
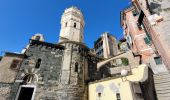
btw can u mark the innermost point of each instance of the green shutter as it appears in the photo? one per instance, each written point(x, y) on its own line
point(147, 40)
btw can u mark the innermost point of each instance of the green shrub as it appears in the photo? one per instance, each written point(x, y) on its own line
point(125, 61)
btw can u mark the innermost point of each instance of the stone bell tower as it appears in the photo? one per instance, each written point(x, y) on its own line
point(71, 85)
point(72, 25)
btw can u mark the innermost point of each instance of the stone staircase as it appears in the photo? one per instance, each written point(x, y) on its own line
point(162, 85)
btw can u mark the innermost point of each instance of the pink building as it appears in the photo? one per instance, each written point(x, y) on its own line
point(156, 21)
point(146, 27)
point(140, 38)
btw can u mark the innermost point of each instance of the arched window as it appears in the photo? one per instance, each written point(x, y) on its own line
point(74, 25)
point(37, 38)
point(99, 94)
point(76, 67)
point(38, 63)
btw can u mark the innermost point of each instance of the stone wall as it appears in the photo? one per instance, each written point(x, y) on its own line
point(5, 89)
point(48, 73)
point(72, 86)
point(63, 73)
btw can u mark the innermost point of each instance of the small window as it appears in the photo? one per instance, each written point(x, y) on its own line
point(66, 24)
point(38, 63)
point(101, 43)
point(0, 58)
point(76, 67)
point(37, 38)
point(118, 96)
point(147, 40)
point(74, 25)
point(141, 17)
point(134, 12)
point(14, 64)
point(99, 94)
point(158, 60)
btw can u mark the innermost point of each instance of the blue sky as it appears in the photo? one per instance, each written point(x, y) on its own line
point(20, 19)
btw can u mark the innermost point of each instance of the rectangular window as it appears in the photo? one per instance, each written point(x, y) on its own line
point(38, 63)
point(26, 92)
point(118, 96)
point(134, 12)
point(147, 40)
point(0, 58)
point(140, 19)
point(158, 60)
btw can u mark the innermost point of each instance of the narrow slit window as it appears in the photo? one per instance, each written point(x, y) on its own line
point(141, 17)
point(118, 96)
point(66, 24)
point(74, 25)
point(76, 67)
point(38, 63)
point(0, 58)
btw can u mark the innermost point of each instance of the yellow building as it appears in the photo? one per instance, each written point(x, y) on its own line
point(121, 88)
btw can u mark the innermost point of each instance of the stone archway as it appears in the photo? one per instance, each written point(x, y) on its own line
point(119, 56)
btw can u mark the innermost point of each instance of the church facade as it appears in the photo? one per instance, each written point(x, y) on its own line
point(50, 71)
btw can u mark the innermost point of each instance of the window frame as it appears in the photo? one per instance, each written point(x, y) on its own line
point(26, 86)
point(156, 60)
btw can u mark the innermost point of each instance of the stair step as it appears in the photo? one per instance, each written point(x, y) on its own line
point(163, 98)
point(162, 81)
point(162, 91)
point(163, 95)
point(160, 75)
point(162, 87)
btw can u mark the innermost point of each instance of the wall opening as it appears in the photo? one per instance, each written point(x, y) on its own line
point(66, 24)
point(38, 63)
point(26, 92)
point(0, 58)
point(99, 94)
point(37, 38)
point(141, 17)
point(118, 96)
point(76, 67)
point(74, 25)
